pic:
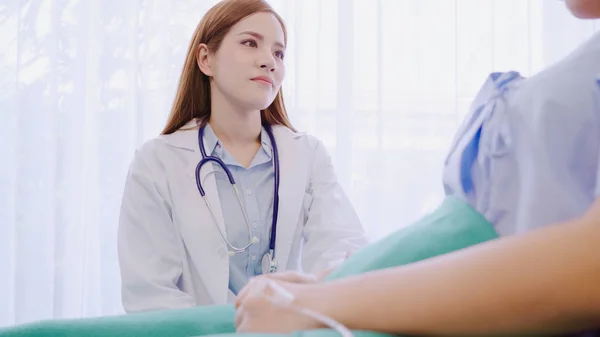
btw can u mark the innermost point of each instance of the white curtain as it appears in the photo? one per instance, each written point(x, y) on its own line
point(83, 83)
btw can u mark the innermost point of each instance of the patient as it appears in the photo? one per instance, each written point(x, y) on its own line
point(527, 158)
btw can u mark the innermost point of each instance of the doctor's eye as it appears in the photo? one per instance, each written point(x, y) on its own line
point(250, 43)
point(279, 54)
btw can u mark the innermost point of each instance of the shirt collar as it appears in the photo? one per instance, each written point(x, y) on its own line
point(214, 146)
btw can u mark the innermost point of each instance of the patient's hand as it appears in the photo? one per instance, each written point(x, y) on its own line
point(261, 314)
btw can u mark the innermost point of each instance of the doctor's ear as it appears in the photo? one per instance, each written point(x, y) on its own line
point(203, 59)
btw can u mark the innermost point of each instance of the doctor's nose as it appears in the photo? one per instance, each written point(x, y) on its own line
point(267, 62)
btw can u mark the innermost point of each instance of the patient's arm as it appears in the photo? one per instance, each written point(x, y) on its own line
point(543, 282)
point(546, 282)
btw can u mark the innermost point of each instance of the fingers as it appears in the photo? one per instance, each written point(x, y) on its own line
point(241, 297)
point(324, 274)
point(247, 311)
point(288, 276)
point(255, 285)
point(293, 277)
point(242, 318)
point(239, 316)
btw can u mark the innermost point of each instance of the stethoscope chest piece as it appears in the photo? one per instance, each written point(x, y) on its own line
point(269, 264)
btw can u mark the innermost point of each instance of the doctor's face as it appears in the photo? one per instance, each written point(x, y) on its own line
point(584, 9)
point(247, 70)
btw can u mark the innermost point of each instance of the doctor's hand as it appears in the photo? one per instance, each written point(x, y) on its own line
point(261, 314)
point(296, 277)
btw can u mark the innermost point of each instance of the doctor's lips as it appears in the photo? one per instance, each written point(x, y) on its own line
point(263, 79)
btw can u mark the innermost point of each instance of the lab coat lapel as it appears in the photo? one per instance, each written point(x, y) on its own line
point(189, 140)
point(200, 234)
point(209, 183)
point(293, 178)
point(215, 268)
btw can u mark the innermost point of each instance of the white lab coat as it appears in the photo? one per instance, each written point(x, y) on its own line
point(170, 252)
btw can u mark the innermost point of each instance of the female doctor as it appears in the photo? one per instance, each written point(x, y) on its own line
point(229, 190)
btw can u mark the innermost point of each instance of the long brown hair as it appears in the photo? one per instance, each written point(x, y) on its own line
point(192, 99)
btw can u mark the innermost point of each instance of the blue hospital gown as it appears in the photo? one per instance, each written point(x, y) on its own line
point(527, 154)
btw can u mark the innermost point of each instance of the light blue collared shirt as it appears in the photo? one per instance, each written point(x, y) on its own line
point(527, 154)
point(255, 185)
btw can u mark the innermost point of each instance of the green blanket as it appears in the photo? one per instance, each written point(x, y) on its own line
point(452, 226)
point(168, 323)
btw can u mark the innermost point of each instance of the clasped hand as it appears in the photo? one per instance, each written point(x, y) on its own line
point(262, 314)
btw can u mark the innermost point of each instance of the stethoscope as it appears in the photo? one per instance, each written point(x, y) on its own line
point(268, 261)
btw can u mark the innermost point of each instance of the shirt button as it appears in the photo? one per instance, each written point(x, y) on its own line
point(253, 257)
point(248, 192)
point(254, 224)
